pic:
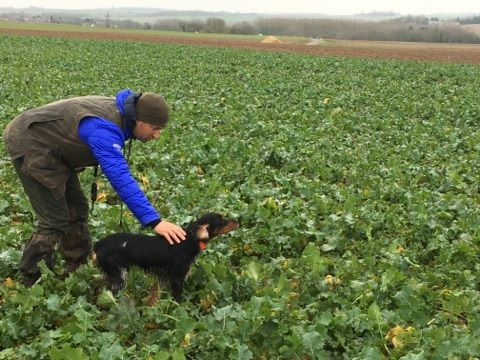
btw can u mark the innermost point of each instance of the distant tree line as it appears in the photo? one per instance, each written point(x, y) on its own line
point(412, 29)
point(470, 20)
point(409, 28)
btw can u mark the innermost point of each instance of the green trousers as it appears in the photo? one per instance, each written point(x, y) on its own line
point(61, 224)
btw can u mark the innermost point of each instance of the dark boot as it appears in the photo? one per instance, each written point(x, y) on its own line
point(39, 247)
point(75, 246)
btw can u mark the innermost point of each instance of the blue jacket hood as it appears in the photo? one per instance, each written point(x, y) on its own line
point(120, 98)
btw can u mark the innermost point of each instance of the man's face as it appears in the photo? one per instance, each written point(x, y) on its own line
point(145, 132)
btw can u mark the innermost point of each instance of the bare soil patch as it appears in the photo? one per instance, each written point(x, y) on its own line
point(445, 53)
point(475, 28)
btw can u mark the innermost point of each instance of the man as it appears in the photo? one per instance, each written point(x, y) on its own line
point(49, 144)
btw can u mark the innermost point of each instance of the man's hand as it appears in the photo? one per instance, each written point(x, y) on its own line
point(171, 232)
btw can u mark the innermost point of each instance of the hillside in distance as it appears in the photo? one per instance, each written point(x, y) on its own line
point(152, 14)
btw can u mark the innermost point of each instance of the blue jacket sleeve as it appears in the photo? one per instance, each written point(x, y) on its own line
point(106, 141)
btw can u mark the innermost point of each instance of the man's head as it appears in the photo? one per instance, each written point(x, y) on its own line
point(152, 116)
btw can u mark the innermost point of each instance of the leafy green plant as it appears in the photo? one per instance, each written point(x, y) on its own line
point(356, 182)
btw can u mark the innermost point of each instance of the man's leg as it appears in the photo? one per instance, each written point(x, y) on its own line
point(75, 245)
point(53, 222)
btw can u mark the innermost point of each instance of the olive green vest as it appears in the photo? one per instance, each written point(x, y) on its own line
point(48, 138)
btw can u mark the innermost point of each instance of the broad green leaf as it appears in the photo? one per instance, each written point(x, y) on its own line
point(67, 353)
point(243, 352)
point(178, 355)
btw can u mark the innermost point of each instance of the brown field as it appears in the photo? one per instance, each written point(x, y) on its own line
point(475, 28)
point(445, 53)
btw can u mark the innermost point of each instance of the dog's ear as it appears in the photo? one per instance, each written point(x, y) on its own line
point(231, 225)
point(202, 232)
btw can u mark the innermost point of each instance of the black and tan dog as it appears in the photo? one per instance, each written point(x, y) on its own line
point(116, 253)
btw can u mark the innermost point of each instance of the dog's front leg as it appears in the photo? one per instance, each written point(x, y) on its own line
point(177, 288)
point(176, 283)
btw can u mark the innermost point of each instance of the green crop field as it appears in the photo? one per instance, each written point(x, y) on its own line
point(356, 182)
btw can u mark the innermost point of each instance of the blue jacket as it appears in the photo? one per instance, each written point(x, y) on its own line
point(106, 141)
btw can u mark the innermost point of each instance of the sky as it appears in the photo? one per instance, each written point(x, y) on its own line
point(332, 7)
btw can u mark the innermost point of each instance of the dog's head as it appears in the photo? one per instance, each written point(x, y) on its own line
point(211, 225)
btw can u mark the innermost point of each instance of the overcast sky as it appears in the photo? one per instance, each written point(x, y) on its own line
point(338, 7)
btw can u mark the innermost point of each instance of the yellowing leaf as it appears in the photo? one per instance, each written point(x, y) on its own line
point(206, 303)
point(331, 281)
point(102, 197)
point(294, 295)
point(186, 340)
point(398, 334)
point(336, 111)
point(395, 331)
point(9, 283)
point(145, 181)
point(396, 342)
point(271, 203)
point(247, 249)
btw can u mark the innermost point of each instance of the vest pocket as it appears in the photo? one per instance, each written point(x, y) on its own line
point(45, 167)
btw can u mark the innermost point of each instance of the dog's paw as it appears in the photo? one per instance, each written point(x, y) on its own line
point(115, 286)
